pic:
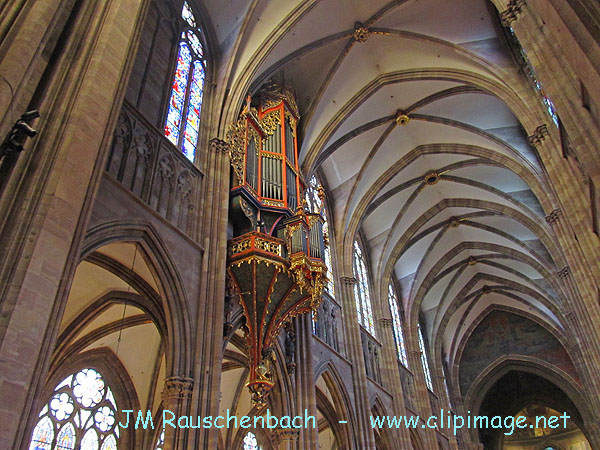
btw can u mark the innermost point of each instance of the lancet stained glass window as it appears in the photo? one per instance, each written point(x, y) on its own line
point(447, 390)
point(530, 73)
point(160, 441)
point(398, 334)
point(250, 442)
point(314, 205)
point(361, 291)
point(80, 414)
point(182, 124)
point(424, 360)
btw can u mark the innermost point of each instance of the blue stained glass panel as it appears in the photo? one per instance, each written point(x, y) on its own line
point(177, 101)
point(197, 87)
point(182, 124)
point(192, 125)
point(189, 149)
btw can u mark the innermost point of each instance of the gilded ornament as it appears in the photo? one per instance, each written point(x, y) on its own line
point(270, 121)
point(292, 121)
point(361, 33)
point(431, 178)
point(402, 119)
point(236, 140)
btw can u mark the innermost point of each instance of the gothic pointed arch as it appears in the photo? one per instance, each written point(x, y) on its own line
point(83, 403)
point(169, 286)
point(335, 404)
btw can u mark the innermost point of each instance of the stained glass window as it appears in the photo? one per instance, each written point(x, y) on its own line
point(160, 441)
point(188, 15)
point(447, 390)
point(80, 414)
point(530, 73)
point(361, 291)
point(315, 204)
point(250, 442)
point(43, 435)
point(182, 124)
point(398, 334)
point(424, 360)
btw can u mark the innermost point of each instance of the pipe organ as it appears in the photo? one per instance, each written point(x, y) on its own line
point(275, 258)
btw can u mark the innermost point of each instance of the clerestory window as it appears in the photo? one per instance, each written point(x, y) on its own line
point(182, 125)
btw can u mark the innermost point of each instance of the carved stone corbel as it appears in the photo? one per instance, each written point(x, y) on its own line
point(539, 135)
point(219, 145)
point(350, 281)
point(553, 217)
point(512, 12)
point(386, 322)
point(282, 435)
point(564, 272)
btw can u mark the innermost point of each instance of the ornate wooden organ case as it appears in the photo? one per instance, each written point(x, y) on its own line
point(275, 261)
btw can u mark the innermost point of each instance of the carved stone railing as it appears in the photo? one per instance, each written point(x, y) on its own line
point(371, 352)
point(408, 387)
point(146, 163)
point(327, 325)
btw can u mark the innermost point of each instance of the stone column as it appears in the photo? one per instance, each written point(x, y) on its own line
point(581, 318)
point(471, 446)
point(390, 375)
point(422, 400)
point(365, 437)
point(209, 332)
point(469, 437)
point(559, 61)
point(306, 398)
point(176, 397)
point(535, 29)
point(285, 439)
point(44, 216)
point(445, 403)
point(592, 433)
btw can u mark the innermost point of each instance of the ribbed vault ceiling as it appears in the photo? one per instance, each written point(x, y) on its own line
point(466, 237)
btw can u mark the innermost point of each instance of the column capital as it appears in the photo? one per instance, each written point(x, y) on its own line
point(539, 135)
point(349, 280)
point(564, 272)
point(219, 145)
point(386, 322)
point(281, 435)
point(554, 216)
point(177, 388)
point(512, 12)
